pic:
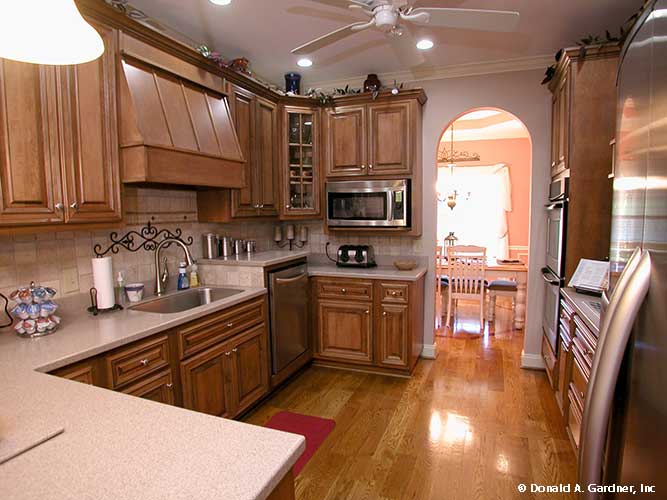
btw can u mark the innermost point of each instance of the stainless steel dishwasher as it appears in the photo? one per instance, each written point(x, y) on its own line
point(289, 296)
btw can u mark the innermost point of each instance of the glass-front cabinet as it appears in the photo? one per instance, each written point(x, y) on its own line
point(300, 176)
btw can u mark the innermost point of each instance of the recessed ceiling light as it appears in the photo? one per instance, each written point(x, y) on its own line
point(221, 2)
point(304, 63)
point(424, 44)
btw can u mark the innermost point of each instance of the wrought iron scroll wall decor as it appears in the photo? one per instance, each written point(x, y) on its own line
point(147, 238)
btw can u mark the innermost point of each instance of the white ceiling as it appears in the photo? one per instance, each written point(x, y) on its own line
point(265, 31)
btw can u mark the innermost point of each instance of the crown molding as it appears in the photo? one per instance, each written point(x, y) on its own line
point(444, 72)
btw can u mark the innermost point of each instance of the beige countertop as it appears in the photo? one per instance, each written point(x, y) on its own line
point(258, 259)
point(587, 307)
point(120, 446)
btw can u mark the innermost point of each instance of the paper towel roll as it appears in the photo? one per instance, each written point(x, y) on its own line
point(103, 281)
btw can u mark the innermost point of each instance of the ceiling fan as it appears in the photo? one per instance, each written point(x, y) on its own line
point(393, 16)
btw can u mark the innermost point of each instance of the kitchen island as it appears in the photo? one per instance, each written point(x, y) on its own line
point(108, 444)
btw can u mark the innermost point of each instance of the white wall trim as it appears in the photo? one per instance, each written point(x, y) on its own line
point(429, 351)
point(532, 361)
point(439, 73)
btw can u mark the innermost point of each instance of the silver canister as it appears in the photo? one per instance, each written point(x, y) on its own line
point(226, 246)
point(251, 246)
point(210, 246)
point(239, 247)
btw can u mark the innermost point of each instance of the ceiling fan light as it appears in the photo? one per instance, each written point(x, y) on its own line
point(47, 32)
point(221, 2)
point(304, 62)
point(425, 44)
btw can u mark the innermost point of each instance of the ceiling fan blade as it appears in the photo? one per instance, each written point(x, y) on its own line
point(328, 39)
point(472, 19)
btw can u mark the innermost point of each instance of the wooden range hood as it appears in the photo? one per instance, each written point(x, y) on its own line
point(176, 131)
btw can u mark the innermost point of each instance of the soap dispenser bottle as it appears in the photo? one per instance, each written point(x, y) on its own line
point(183, 281)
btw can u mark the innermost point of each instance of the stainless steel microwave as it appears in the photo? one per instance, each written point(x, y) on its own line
point(368, 203)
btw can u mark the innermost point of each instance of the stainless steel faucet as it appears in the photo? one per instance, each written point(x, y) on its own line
point(159, 285)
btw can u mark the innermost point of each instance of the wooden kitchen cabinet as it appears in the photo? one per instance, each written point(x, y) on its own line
point(389, 139)
point(344, 331)
point(370, 324)
point(347, 153)
point(300, 167)
point(59, 141)
point(393, 335)
point(560, 124)
point(249, 367)
point(159, 388)
point(92, 176)
point(256, 122)
point(206, 382)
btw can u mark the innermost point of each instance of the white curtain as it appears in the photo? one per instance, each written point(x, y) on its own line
point(484, 196)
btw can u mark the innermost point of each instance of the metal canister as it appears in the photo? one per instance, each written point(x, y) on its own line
point(251, 246)
point(226, 246)
point(239, 247)
point(210, 246)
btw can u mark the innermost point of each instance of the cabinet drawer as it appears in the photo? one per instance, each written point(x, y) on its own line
point(196, 336)
point(159, 388)
point(394, 293)
point(84, 372)
point(574, 419)
point(130, 363)
point(579, 381)
point(549, 360)
point(345, 289)
point(583, 352)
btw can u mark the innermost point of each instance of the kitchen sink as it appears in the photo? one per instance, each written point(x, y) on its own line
point(184, 300)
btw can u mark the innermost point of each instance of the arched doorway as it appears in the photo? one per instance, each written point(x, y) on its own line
point(484, 164)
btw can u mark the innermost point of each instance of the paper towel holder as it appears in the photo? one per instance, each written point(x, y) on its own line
point(93, 304)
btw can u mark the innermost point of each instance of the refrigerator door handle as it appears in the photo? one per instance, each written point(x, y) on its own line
point(618, 326)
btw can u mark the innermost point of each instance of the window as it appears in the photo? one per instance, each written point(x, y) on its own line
point(483, 198)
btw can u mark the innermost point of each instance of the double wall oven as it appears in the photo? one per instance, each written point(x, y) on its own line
point(554, 272)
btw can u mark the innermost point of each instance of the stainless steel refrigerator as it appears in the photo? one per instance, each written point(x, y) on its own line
point(624, 432)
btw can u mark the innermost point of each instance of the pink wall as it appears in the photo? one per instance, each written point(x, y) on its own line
point(516, 153)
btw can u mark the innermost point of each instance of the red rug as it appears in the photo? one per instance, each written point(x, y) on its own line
point(314, 429)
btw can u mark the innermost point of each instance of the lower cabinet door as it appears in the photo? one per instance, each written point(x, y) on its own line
point(344, 330)
point(393, 336)
point(206, 385)
point(249, 367)
point(159, 388)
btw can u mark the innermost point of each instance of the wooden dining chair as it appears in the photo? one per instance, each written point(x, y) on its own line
point(466, 266)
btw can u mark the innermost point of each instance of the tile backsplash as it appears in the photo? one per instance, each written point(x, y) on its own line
point(62, 259)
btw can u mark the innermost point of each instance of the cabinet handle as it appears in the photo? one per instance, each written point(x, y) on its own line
point(230, 324)
point(60, 207)
point(235, 350)
point(170, 386)
point(582, 396)
point(144, 362)
point(74, 206)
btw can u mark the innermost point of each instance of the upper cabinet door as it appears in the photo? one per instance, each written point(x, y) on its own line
point(389, 137)
point(29, 151)
point(266, 153)
point(90, 136)
point(244, 200)
point(346, 148)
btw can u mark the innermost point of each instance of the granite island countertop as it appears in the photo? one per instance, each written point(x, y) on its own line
point(115, 445)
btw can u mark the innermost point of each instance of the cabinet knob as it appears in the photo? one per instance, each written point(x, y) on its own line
point(170, 386)
point(393, 294)
point(582, 396)
point(287, 206)
point(384, 313)
point(235, 350)
point(59, 207)
point(370, 166)
point(144, 362)
point(74, 206)
point(262, 205)
point(368, 311)
point(230, 324)
point(363, 167)
point(343, 290)
point(228, 354)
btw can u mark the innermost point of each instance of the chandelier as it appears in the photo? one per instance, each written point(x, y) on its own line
point(451, 157)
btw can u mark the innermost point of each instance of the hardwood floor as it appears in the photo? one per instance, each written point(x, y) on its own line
point(469, 425)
